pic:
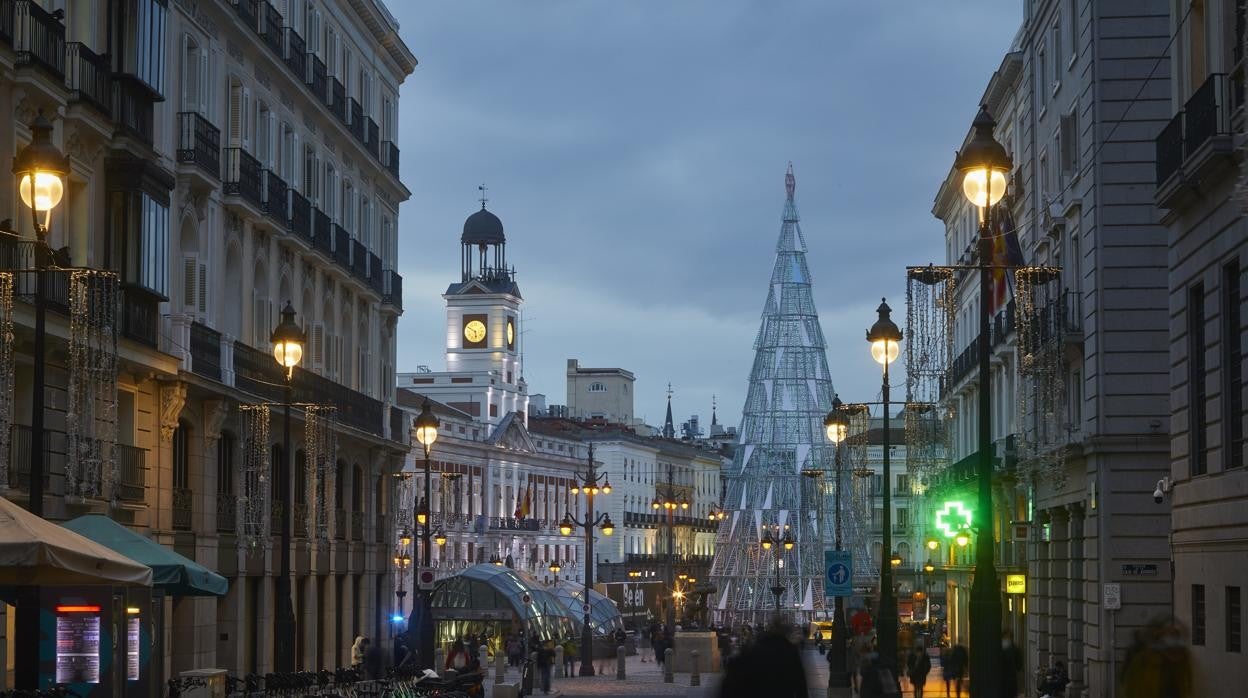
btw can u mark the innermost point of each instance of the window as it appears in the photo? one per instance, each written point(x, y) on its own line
point(1044, 176)
point(264, 135)
point(139, 239)
point(194, 75)
point(286, 154)
point(903, 518)
point(903, 484)
point(1042, 76)
point(348, 205)
point(240, 114)
point(181, 457)
point(1196, 379)
point(597, 388)
point(1232, 367)
point(1234, 620)
point(225, 464)
point(329, 191)
point(1198, 614)
point(1068, 135)
point(310, 172)
point(141, 41)
point(1055, 51)
point(1072, 21)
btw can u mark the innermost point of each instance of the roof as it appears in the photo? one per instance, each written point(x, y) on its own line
point(604, 616)
point(34, 550)
point(497, 587)
point(178, 575)
point(483, 228)
point(412, 400)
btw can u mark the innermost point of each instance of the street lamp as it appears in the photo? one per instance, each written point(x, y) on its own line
point(41, 169)
point(781, 545)
point(885, 339)
point(669, 504)
point(836, 424)
point(589, 486)
point(426, 428)
point(288, 340)
point(984, 164)
point(895, 560)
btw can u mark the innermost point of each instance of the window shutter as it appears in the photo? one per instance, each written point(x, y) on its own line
point(273, 136)
point(203, 289)
point(204, 82)
point(260, 324)
point(189, 284)
point(190, 70)
point(295, 164)
point(245, 118)
point(316, 337)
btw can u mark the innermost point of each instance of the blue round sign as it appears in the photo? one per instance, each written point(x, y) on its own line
point(838, 573)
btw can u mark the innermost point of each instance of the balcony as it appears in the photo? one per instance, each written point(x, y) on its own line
point(357, 525)
point(356, 124)
point(205, 351)
point(322, 232)
point(371, 133)
point(199, 143)
point(299, 519)
point(299, 214)
point(134, 104)
point(392, 288)
point(342, 246)
point(226, 512)
point(275, 517)
point(1204, 128)
point(248, 11)
point(272, 28)
point(275, 197)
point(257, 373)
point(183, 508)
point(39, 38)
point(374, 273)
point(338, 99)
point(19, 458)
point(1059, 319)
point(315, 78)
point(359, 260)
point(89, 78)
point(398, 426)
point(242, 176)
point(296, 55)
point(140, 314)
point(390, 157)
point(131, 473)
point(340, 524)
point(507, 523)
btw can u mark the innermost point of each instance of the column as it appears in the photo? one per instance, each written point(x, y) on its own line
point(1078, 587)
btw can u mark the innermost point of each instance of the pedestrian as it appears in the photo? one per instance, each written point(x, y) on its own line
point(878, 681)
point(1011, 664)
point(545, 660)
point(357, 652)
point(918, 665)
point(513, 650)
point(400, 650)
point(954, 668)
point(569, 657)
point(656, 641)
point(1158, 665)
point(458, 658)
point(771, 666)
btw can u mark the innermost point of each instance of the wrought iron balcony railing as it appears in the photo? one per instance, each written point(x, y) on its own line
point(248, 11)
point(322, 232)
point(275, 197)
point(39, 37)
point(226, 512)
point(392, 288)
point(1207, 113)
point(299, 214)
point(390, 157)
point(272, 28)
point(356, 123)
point(316, 78)
point(131, 473)
point(205, 351)
point(359, 260)
point(199, 142)
point(19, 457)
point(134, 106)
point(140, 314)
point(296, 54)
point(183, 508)
point(242, 176)
point(89, 77)
point(338, 99)
point(342, 246)
point(1169, 149)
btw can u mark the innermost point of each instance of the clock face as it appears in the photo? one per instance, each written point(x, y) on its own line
point(474, 331)
point(511, 334)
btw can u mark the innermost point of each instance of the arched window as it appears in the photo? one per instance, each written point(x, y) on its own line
point(597, 388)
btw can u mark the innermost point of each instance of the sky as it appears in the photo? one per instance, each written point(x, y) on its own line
point(635, 152)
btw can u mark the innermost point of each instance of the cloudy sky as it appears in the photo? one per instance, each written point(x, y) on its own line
point(636, 150)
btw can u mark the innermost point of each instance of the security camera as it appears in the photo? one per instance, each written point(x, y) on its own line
point(1159, 493)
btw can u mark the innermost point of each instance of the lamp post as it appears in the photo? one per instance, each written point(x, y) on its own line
point(402, 562)
point(426, 428)
point(40, 169)
point(837, 426)
point(670, 504)
point(781, 545)
point(885, 339)
point(984, 165)
point(589, 485)
point(288, 341)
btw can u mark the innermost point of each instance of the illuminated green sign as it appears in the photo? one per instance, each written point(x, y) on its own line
point(952, 517)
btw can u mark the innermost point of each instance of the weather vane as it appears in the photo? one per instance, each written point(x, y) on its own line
point(481, 189)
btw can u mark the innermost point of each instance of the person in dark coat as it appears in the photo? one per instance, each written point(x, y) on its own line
point(918, 665)
point(545, 661)
point(953, 665)
point(771, 666)
point(1011, 665)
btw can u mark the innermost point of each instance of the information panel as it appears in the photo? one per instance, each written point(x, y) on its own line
point(133, 628)
point(77, 644)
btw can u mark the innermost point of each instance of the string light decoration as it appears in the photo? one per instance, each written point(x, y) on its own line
point(253, 500)
point(91, 414)
point(6, 373)
point(931, 305)
point(1041, 392)
point(321, 448)
point(854, 460)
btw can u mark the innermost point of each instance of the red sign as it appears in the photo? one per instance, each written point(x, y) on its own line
point(861, 623)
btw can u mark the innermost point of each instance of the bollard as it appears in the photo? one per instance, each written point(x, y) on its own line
point(695, 679)
point(668, 655)
point(500, 668)
point(483, 658)
point(560, 667)
point(619, 663)
point(439, 659)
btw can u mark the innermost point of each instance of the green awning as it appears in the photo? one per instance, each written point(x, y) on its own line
point(177, 575)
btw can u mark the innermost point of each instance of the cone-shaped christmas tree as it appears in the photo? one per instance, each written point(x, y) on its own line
point(769, 499)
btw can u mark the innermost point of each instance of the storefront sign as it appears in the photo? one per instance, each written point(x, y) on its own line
point(953, 517)
point(1016, 584)
point(77, 644)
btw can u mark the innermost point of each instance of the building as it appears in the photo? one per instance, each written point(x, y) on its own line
point(227, 158)
point(1200, 199)
point(1080, 393)
point(484, 374)
point(600, 394)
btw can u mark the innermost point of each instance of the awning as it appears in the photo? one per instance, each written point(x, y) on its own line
point(35, 551)
point(177, 575)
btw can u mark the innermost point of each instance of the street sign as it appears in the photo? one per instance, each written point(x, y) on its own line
point(425, 579)
point(1111, 596)
point(526, 598)
point(839, 573)
point(1146, 569)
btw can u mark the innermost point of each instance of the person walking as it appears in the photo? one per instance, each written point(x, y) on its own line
point(545, 661)
point(954, 668)
point(458, 658)
point(918, 665)
point(878, 680)
point(1011, 665)
point(1158, 664)
point(357, 651)
point(569, 657)
point(771, 666)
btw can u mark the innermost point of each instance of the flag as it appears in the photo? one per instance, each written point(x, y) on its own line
point(1007, 253)
point(526, 503)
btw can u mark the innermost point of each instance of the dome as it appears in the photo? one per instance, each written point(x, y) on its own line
point(483, 228)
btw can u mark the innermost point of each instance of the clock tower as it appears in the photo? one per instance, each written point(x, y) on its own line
point(484, 376)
